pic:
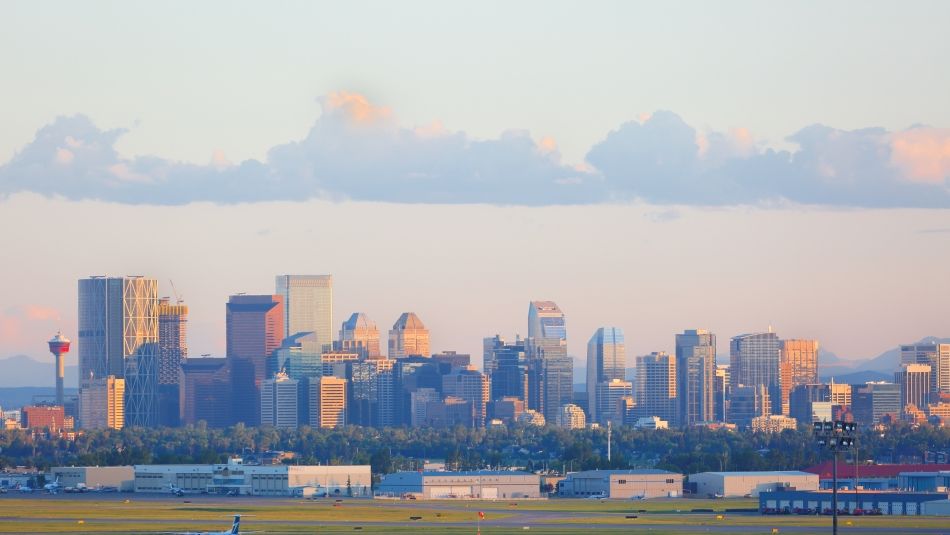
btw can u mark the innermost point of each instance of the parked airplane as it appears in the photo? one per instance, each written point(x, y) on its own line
point(25, 488)
point(235, 527)
point(53, 487)
point(176, 490)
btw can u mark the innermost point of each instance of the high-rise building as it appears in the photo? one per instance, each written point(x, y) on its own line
point(507, 366)
point(172, 351)
point(937, 356)
point(300, 355)
point(419, 405)
point(328, 402)
point(118, 336)
point(914, 381)
point(798, 365)
point(409, 375)
point(747, 402)
point(359, 334)
point(695, 373)
point(59, 346)
point(205, 392)
point(875, 400)
point(308, 306)
point(656, 386)
point(102, 403)
point(606, 361)
point(408, 337)
point(721, 393)
point(255, 328)
point(470, 385)
point(371, 393)
point(608, 395)
point(754, 360)
point(279, 401)
point(551, 376)
point(48, 417)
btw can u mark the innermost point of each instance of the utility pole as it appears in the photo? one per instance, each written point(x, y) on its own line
point(836, 436)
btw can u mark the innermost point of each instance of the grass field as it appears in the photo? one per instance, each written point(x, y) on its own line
point(127, 514)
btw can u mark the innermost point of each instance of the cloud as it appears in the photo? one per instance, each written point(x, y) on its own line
point(41, 313)
point(357, 150)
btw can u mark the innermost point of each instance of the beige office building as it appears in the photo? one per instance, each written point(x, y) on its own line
point(327, 398)
point(798, 365)
point(408, 336)
point(102, 404)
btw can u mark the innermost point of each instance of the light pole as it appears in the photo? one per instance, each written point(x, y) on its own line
point(836, 436)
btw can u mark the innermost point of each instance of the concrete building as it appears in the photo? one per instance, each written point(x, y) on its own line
point(720, 393)
point(798, 365)
point(773, 423)
point(606, 362)
point(914, 381)
point(608, 396)
point(327, 400)
point(102, 403)
point(651, 422)
point(409, 337)
point(308, 306)
point(280, 402)
point(470, 385)
point(50, 417)
point(256, 480)
point(255, 328)
point(94, 477)
point(572, 417)
point(656, 387)
point(485, 485)
point(739, 484)
point(695, 373)
point(621, 484)
point(118, 336)
point(507, 409)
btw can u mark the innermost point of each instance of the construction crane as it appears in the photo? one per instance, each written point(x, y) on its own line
point(178, 298)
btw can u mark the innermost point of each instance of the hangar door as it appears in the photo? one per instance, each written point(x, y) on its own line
point(450, 492)
point(489, 493)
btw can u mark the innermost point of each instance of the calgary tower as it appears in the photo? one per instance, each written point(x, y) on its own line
point(59, 346)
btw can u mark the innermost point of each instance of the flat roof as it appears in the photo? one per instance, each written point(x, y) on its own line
point(761, 473)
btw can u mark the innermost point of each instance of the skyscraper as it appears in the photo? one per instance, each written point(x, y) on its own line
point(914, 381)
point(798, 365)
point(328, 402)
point(721, 389)
point(608, 396)
point(205, 392)
point(875, 400)
point(551, 377)
point(606, 361)
point(172, 351)
point(754, 360)
point(308, 306)
point(359, 334)
point(507, 367)
point(470, 385)
point(937, 356)
point(118, 335)
point(255, 328)
point(408, 337)
point(656, 387)
point(695, 375)
point(279, 401)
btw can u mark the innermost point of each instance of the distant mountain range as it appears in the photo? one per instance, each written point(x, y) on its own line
point(21, 370)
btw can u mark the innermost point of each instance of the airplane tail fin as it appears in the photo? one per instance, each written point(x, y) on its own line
point(237, 525)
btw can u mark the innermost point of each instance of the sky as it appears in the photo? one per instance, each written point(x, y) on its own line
point(653, 167)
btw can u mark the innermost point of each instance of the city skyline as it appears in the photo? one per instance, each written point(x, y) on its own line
point(401, 154)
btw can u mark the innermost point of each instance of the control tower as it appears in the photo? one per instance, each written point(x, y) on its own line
point(59, 346)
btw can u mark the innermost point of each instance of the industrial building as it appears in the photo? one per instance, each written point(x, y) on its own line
point(738, 484)
point(486, 485)
point(875, 476)
point(93, 477)
point(888, 503)
point(235, 477)
point(621, 484)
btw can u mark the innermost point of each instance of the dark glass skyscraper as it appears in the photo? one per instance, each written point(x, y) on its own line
point(550, 384)
point(695, 374)
point(255, 328)
point(606, 361)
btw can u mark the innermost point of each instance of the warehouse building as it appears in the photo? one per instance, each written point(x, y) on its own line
point(486, 485)
point(234, 477)
point(887, 503)
point(621, 484)
point(738, 484)
point(94, 477)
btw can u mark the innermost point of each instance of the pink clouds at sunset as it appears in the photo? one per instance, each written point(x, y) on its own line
point(922, 153)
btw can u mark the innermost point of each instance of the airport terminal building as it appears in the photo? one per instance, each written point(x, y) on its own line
point(485, 485)
point(621, 484)
point(235, 477)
